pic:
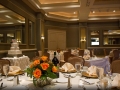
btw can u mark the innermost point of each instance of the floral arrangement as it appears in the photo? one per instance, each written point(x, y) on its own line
point(41, 69)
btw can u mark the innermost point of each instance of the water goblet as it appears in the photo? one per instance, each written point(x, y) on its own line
point(6, 69)
point(109, 73)
point(104, 84)
point(78, 67)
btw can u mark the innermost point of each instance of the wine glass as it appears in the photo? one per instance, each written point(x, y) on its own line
point(104, 84)
point(6, 69)
point(78, 67)
point(109, 72)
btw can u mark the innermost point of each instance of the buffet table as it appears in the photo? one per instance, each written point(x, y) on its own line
point(22, 62)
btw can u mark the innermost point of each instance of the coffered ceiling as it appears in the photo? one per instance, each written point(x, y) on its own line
point(77, 10)
point(9, 17)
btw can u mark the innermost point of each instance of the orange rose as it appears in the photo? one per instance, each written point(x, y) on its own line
point(54, 69)
point(37, 73)
point(36, 62)
point(44, 58)
point(44, 66)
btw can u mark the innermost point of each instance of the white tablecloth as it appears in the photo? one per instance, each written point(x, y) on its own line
point(26, 82)
point(61, 85)
point(22, 62)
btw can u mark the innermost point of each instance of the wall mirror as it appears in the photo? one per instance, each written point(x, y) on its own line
point(12, 25)
point(111, 37)
point(94, 37)
point(31, 32)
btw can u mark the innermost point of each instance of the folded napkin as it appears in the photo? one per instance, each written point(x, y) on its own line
point(100, 72)
point(14, 70)
point(116, 81)
point(92, 70)
point(68, 67)
point(86, 57)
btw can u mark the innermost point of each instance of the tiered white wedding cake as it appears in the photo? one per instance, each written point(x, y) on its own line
point(14, 49)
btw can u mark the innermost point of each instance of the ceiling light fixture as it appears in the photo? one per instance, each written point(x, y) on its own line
point(46, 14)
point(9, 23)
point(3, 11)
point(93, 12)
point(113, 10)
point(35, 4)
point(7, 16)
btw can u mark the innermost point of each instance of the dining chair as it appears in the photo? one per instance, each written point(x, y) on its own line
point(73, 60)
point(3, 62)
point(92, 53)
point(116, 54)
point(115, 66)
point(66, 56)
point(81, 52)
point(105, 54)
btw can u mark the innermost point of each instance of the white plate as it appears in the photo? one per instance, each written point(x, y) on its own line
point(114, 74)
point(29, 79)
point(62, 80)
point(10, 78)
point(4, 86)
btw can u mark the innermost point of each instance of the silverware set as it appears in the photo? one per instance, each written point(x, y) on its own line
point(87, 82)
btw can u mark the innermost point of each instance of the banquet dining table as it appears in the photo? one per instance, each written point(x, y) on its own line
point(22, 61)
point(100, 62)
point(61, 83)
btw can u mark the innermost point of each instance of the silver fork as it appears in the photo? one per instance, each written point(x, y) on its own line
point(98, 88)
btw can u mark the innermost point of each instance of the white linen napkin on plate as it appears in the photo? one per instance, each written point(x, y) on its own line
point(115, 81)
point(67, 67)
point(14, 69)
point(92, 70)
point(100, 72)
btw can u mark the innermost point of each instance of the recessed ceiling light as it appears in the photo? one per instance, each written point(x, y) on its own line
point(46, 14)
point(93, 12)
point(74, 12)
point(113, 10)
point(7, 16)
point(9, 23)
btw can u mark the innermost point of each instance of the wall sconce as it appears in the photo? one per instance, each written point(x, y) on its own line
point(19, 41)
point(42, 38)
point(83, 39)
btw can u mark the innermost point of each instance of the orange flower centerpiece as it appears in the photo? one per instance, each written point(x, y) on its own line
point(41, 70)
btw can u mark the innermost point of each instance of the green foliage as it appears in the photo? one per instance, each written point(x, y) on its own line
point(44, 73)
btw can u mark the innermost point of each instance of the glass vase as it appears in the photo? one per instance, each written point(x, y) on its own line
point(43, 82)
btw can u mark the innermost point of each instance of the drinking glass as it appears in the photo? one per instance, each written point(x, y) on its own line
point(104, 84)
point(109, 72)
point(6, 69)
point(78, 66)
